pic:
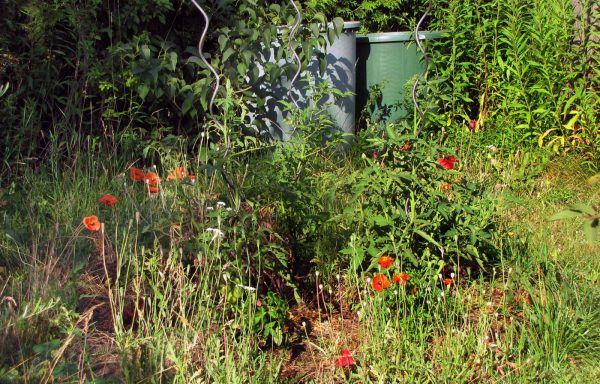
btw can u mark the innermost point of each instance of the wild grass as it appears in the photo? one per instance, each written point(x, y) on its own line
point(261, 267)
point(154, 297)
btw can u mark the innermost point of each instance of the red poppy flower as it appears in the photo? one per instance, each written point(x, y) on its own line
point(380, 282)
point(151, 178)
point(153, 189)
point(91, 223)
point(345, 360)
point(108, 199)
point(448, 282)
point(445, 186)
point(472, 124)
point(400, 278)
point(136, 174)
point(406, 147)
point(385, 261)
point(447, 162)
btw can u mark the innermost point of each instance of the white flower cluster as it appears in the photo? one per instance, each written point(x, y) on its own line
point(217, 233)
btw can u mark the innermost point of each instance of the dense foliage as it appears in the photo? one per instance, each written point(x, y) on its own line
point(149, 233)
point(527, 73)
point(374, 15)
point(130, 73)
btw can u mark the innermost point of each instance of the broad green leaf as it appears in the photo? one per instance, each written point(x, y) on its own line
point(372, 250)
point(247, 55)
point(322, 63)
point(567, 214)
point(572, 121)
point(543, 136)
point(426, 237)
point(315, 30)
point(223, 39)
point(320, 17)
point(173, 60)
point(275, 8)
point(358, 258)
point(411, 256)
point(330, 36)
point(195, 60)
point(143, 90)
point(321, 42)
point(241, 68)
point(382, 221)
point(187, 103)
point(590, 228)
point(228, 52)
point(338, 24)
point(471, 250)
point(137, 68)
point(580, 207)
point(145, 52)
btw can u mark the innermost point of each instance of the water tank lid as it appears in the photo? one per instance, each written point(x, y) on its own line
point(351, 25)
point(388, 37)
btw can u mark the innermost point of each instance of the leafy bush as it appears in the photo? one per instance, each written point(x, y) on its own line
point(77, 70)
point(524, 71)
point(374, 15)
point(421, 210)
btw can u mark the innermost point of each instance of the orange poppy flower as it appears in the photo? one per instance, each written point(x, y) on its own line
point(385, 261)
point(178, 174)
point(151, 178)
point(448, 282)
point(400, 278)
point(380, 282)
point(108, 199)
point(406, 146)
point(91, 223)
point(136, 174)
point(345, 360)
point(445, 186)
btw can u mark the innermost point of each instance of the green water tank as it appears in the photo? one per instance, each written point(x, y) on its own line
point(388, 60)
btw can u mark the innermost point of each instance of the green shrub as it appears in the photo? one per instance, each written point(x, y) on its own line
point(405, 204)
point(523, 71)
point(77, 70)
point(374, 15)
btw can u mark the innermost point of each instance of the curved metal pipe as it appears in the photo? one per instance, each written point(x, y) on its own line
point(230, 184)
point(291, 48)
point(210, 67)
point(425, 65)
